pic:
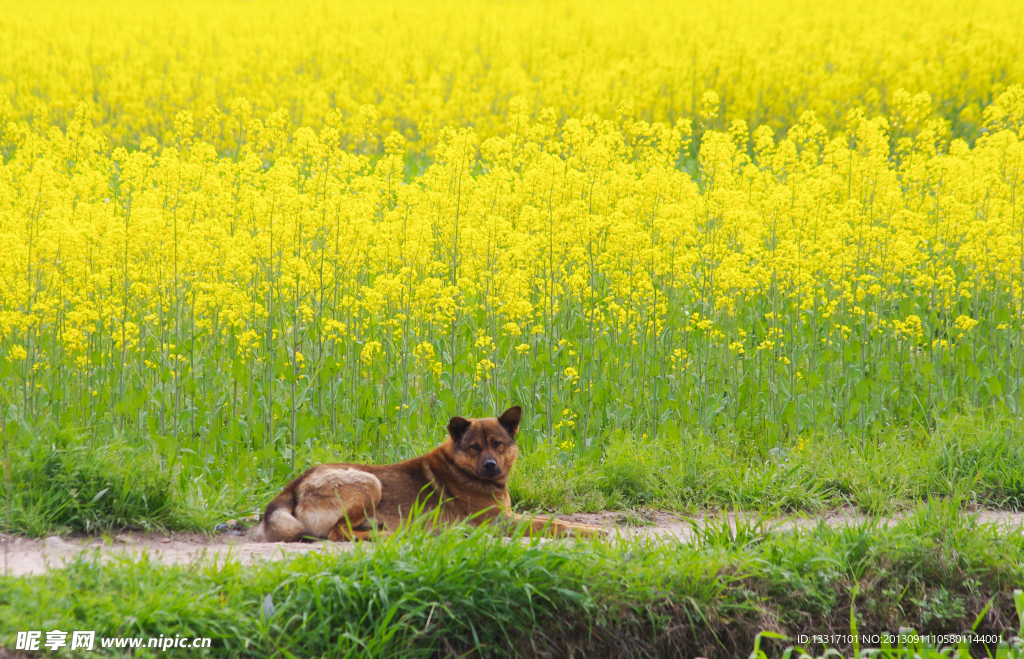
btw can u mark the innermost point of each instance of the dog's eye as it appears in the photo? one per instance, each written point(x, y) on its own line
point(495, 445)
point(474, 448)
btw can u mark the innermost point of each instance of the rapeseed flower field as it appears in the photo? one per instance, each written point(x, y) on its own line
point(238, 234)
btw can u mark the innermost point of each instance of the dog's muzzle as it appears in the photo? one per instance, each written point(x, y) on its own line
point(490, 469)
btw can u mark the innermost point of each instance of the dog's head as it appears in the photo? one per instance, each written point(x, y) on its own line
point(486, 448)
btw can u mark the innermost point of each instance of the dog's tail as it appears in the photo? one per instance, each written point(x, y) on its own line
point(279, 522)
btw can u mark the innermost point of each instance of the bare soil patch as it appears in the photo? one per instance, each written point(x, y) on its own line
point(35, 556)
point(657, 524)
point(26, 556)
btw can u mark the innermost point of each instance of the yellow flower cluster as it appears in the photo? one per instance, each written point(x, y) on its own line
point(347, 224)
point(427, 65)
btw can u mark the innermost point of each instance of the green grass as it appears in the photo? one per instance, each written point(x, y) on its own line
point(68, 485)
point(976, 456)
point(469, 591)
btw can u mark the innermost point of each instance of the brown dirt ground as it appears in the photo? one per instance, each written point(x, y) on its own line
point(24, 556)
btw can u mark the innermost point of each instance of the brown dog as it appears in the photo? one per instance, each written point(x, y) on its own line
point(466, 477)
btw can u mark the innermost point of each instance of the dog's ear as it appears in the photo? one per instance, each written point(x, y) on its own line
point(509, 420)
point(457, 427)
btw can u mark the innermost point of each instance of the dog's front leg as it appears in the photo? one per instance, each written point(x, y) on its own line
point(342, 532)
point(542, 525)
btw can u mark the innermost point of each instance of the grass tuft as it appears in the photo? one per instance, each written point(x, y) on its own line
point(87, 490)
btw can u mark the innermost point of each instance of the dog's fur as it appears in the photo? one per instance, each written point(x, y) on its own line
point(466, 477)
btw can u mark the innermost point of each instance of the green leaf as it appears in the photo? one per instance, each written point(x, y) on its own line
point(99, 495)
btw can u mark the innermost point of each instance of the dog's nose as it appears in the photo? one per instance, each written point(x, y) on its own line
point(490, 467)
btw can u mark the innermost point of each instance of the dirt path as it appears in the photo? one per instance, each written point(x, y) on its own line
point(32, 556)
